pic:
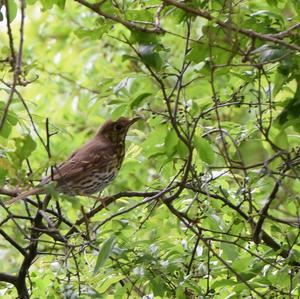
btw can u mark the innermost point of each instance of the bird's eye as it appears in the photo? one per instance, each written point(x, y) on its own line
point(118, 127)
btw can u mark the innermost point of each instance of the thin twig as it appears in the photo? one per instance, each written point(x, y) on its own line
point(17, 62)
point(128, 24)
point(248, 32)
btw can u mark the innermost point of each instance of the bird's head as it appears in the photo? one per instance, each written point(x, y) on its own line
point(116, 131)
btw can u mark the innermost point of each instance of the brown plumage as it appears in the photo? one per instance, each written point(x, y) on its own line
point(92, 167)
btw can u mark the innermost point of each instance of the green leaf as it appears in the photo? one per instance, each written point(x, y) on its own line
point(268, 53)
point(204, 150)
point(171, 141)
point(247, 275)
point(6, 130)
point(180, 293)
point(108, 282)
point(222, 283)
point(150, 57)
point(143, 37)
point(24, 147)
point(119, 111)
point(241, 264)
point(12, 9)
point(267, 14)
point(5, 168)
point(48, 4)
point(156, 137)
point(158, 286)
point(230, 251)
point(290, 114)
point(281, 140)
point(93, 34)
point(182, 149)
point(12, 118)
point(198, 53)
point(3, 174)
point(287, 65)
point(252, 151)
point(138, 15)
point(280, 80)
point(136, 101)
point(272, 2)
point(104, 253)
point(31, 2)
point(275, 229)
point(61, 3)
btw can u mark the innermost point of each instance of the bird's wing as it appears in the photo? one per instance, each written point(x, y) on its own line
point(24, 195)
point(82, 160)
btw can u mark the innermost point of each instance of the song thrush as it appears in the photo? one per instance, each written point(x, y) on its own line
point(92, 167)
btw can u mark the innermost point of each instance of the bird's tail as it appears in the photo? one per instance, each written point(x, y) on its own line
point(24, 195)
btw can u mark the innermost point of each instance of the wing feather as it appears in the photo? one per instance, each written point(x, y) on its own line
point(91, 154)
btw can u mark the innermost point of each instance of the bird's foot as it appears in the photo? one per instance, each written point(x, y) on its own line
point(101, 199)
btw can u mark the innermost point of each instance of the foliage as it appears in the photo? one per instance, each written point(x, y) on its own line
point(206, 204)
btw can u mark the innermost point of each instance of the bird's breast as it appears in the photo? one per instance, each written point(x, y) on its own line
point(94, 179)
point(93, 182)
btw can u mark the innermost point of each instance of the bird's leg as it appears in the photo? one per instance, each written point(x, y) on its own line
point(99, 198)
point(102, 200)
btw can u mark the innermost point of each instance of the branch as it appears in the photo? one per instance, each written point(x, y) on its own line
point(8, 278)
point(12, 242)
point(10, 37)
point(10, 98)
point(269, 241)
point(110, 199)
point(17, 64)
point(263, 212)
point(186, 222)
point(295, 222)
point(32, 252)
point(250, 33)
point(146, 200)
point(175, 126)
point(28, 112)
point(12, 193)
point(193, 255)
point(70, 80)
point(130, 25)
point(286, 32)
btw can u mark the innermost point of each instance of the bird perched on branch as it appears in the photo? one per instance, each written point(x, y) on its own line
point(92, 167)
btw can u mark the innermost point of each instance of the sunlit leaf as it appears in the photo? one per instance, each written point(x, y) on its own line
point(12, 8)
point(281, 140)
point(108, 282)
point(204, 150)
point(104, 253)
point(6, 130)
point(150, 57)
point(137, 101)
point(199, 52)
point(171, 142)
point(24, 147)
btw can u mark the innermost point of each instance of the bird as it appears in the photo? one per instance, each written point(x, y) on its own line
point(92, 167)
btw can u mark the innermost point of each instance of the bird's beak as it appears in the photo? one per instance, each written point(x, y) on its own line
point(132, 121)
